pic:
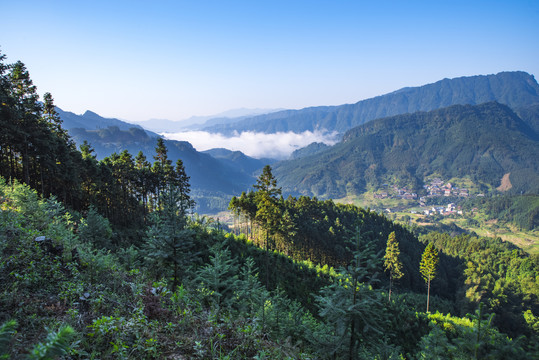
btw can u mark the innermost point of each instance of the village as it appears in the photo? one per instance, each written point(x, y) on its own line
point(431, 203)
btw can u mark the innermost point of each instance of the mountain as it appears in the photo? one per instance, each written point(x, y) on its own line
point(208, 174)
point(213, 178)
point(484, 141)
point(310, 149)
point(239, 160)
point(91, 121)
point(514, 89)
point(530, 115)
point(197, 122)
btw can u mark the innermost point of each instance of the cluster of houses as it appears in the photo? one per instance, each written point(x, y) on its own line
point(398, 193)
point(435, 188)
point(438, 188)
point(443, 210)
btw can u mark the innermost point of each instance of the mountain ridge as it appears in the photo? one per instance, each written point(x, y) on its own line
point(516, 89)
point(484, 141)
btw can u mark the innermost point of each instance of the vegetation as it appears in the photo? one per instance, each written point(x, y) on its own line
point(108, 261)
point(520, 210)
point(427, 267)
point(392, 262)
point(484, 142)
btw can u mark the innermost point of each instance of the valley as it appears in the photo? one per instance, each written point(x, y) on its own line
point(110, 247)
point(423, 165)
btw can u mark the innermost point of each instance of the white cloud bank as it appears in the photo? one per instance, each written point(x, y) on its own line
point(258, 145)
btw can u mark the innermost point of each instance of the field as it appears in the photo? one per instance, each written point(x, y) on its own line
point(527, 240)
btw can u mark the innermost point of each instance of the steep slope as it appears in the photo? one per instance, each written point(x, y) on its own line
point(310, 149)
point(484, 141)
point(515, 89)
point(530, 115)
point(206, 172)
point(239, 160)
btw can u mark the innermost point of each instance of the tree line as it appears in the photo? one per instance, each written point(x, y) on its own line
point(321, 262)
point(36, 150)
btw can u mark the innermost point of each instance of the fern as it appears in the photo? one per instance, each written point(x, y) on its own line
point(6, 333)
point(56, 344)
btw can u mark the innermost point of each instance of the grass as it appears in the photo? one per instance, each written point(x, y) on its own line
point(367, 200)
point(527, 240)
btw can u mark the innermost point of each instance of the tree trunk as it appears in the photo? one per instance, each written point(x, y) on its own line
point(390, 283)
point(428, 294)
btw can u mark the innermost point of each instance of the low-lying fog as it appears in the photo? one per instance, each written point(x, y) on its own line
point(258, 145)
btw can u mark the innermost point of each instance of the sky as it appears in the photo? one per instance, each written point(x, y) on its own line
point(138, 60)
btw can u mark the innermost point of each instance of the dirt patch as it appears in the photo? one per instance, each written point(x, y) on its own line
point(506, 183)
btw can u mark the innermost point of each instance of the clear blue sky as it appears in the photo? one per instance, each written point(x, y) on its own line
point(137, 60)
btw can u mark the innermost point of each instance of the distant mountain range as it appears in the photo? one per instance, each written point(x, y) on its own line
point(518, 90)
point(483, 141)
point(199, 122)
point(401, 136)
point(91, 121)
point(215, 174)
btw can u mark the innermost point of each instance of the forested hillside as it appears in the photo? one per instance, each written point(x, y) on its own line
point(38, 150)
point(514, 89)
point(483, 141)
point(106, 259)
point(209, 174)
point(69, 288)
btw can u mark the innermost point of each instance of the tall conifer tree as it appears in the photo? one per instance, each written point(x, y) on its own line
point(349, 306)
point(392, 262)
point(427, 267)
point(169, 240)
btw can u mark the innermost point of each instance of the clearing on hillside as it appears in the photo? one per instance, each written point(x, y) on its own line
point(506, 183)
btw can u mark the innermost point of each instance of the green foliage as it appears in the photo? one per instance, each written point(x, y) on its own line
point(521, 210)
point(250, 294)
point(349, 306)
point(392, 262)
point(120, 313)
point(495, 273)
point(427, 267)
point(484, 142)
point(463, 338)
point(7, 330)
point(429, 262)
point(56, 344)
point(169, 242)
point(219, 278)
point(96, 229)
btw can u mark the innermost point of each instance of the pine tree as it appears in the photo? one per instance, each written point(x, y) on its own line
point(250, 294)
point(427, 267)
point(169, 240)
point(143, 180)
point(26, 112)
point(349, 306)
point(392, 262)
point(268, 214)
point(52, 118)
point(181, 181)
point(220, 277)
point(96, 229)
point(162, 168)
